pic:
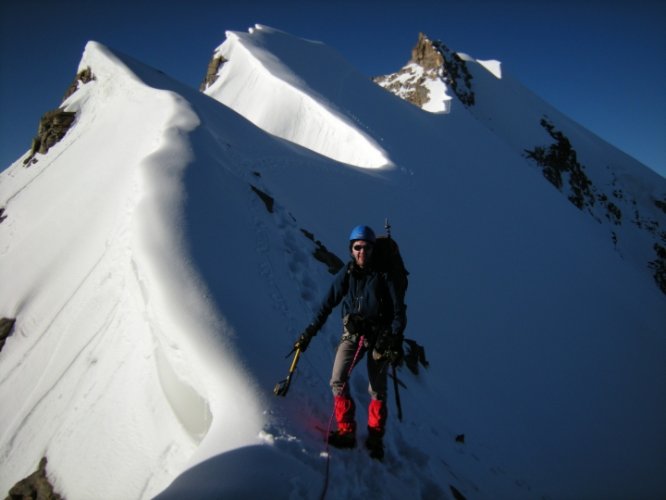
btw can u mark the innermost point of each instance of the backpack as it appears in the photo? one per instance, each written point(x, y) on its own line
point(386, 259)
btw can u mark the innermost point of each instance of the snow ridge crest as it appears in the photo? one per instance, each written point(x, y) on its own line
point(246, 65)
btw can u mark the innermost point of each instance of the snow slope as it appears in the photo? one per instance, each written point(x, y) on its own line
point(256, 66)
point(611, 187)
point(133, 366)
point(513, 113)
point(156, 296)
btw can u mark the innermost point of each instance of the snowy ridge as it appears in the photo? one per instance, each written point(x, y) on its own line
point(159, 272)
point(288, 108)
point(115, 293)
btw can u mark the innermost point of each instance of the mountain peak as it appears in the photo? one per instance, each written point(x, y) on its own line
point(426, 55)
point(431, 78)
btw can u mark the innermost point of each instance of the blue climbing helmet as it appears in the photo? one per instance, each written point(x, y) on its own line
point(364, 233)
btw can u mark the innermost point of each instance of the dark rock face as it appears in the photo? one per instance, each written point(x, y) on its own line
point(426, 55)
point(559, 159)
point(6, 329)
point(83, 77)
point(658, 265)
point(34, 487)
point(267, 199)
point(212, 72)
point(456, 74)
point(54, 124)
point(52, 128)
point(323, 255)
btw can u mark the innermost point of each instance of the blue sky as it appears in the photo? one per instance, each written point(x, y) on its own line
point(600, 62)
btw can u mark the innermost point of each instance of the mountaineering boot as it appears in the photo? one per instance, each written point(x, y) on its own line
point(377, 415)
point(345, 436)
point(375, 444)
point(342, 440)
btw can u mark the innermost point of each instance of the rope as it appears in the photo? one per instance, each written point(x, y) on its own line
point(361, 340)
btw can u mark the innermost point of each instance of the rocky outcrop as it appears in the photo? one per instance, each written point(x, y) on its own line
point(84, 76)
point(54, 124)
point(559, 159)
point(409, 84)
point(456, 74)
point(431, 60)
point(560, 166)
point(6, 329)
point(34, 487)
point(323, 255)
point(212, 72)
point(658, 265)
point(52, 128)
point(267, 199)
point(2, 214)
point(426, 55)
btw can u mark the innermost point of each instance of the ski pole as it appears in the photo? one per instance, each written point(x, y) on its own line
point(282, 387)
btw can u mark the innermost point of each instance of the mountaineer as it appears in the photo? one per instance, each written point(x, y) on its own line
point(373, 318)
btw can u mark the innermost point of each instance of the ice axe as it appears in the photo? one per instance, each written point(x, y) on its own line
point(282, 386)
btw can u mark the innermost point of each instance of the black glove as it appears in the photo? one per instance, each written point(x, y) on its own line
point(396, 353)
point(305, 338)
point(389, 347)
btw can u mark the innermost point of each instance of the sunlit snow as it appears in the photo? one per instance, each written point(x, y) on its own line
point(288, 108)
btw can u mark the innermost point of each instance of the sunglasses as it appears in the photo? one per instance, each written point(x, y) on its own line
point(358, 248)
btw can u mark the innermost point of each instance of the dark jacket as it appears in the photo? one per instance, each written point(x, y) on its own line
point(368, 293)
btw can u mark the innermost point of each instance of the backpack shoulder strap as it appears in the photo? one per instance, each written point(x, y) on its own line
point(345, 281)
